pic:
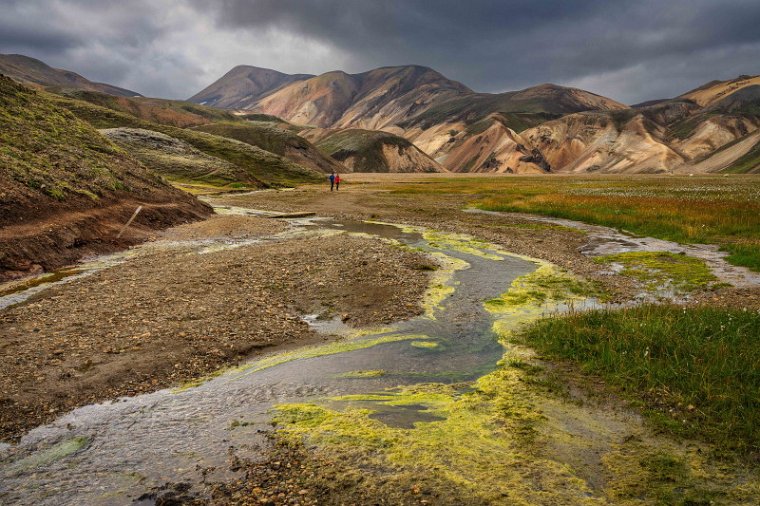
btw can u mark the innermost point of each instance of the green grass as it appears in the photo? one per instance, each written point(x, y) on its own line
point(546, 284)
point(695, 371)
point(703, 209)
point(273, 137)
point(748, 163)
point(268, 118)
point(264, 135)
point(179, 162)
point(517, 121)
point(661, 268)
point(685, 128)
point(45, 151)
point(263, 165)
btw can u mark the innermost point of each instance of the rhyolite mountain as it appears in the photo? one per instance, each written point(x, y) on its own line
point(34, 72)
point(242, 86)
point(402, 97)
point(544, 128)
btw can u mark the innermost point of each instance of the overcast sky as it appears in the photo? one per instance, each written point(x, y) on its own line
point(627, 50)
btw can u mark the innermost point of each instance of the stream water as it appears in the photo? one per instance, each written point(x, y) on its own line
point(609, 241)
point(112, 453)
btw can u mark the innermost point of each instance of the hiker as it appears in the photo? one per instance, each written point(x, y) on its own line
point(337, 182)
point(332, 181)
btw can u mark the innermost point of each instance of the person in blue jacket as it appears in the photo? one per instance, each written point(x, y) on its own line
point(332, 181)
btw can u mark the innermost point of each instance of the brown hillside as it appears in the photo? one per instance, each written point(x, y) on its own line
point(65, 190)
point(716, 90)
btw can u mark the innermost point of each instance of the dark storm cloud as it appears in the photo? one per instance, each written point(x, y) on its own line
point(653, 46)
point(109, 41)
point(631, 51)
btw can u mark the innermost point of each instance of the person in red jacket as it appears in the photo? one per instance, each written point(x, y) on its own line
point(337, 182)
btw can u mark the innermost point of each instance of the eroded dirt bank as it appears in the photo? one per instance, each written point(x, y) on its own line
point(63, 237)
point(173, 314)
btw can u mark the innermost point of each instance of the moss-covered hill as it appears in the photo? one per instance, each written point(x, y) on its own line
point(57, 171)
point(376, 151)
point(254, 167)
point(275, 139)
point(49, 157)
point(178, 160)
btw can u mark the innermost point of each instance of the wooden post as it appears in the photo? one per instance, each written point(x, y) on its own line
point(134, 215)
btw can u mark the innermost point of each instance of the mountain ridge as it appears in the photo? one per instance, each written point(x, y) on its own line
point(257, 82)
point(36, 72)
point(542, 128)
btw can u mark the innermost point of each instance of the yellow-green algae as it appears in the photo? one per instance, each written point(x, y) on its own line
point(462, 243)
point(441, 283)
point(371, 373)
point(57, 452)
point(507, 441)
point(547, 284)
point(333, 348)
point(658, 268)
point(424, 344)
point(482, 444)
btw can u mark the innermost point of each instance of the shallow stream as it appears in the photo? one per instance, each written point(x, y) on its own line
point(114, 452)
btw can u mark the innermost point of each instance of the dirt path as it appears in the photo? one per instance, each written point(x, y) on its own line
point(100, 214)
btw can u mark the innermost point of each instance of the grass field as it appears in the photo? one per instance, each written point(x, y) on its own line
point(703, 209)
point(695, 371)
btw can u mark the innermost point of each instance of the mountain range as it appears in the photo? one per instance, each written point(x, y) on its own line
point(412, 118)
point(544, 128)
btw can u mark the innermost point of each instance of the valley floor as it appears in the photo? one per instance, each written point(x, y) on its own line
point(216, 293)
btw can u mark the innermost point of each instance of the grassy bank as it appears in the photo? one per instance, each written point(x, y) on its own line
point(696, 371)
point(704, 209)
